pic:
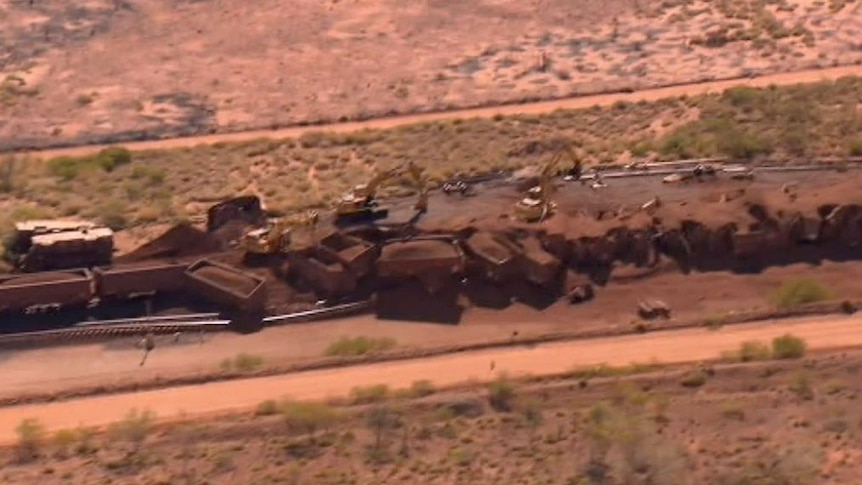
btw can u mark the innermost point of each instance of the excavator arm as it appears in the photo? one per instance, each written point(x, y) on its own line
point(370, 189)
point(418, 178)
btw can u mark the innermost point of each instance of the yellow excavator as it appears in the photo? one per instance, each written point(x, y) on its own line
point(537, 205)
point(360, 204)
point(421, 186)
point(276, 237)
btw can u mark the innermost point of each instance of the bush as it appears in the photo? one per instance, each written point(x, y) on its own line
point(31, 437)
point(247, 362)
point(754, 351)
point(421, 388)
point(266, 408)
point(694, 379)
point(113, 215)
point(308, 417)
point(788, 347)
point(352, 347)
point(856, 148)
point(501, 394)
point(69, 168)
point(135, 427)
point(799, 292)
point(742, 145)
point(369, 394)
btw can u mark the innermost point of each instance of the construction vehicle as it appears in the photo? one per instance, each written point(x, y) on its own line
point(361, 205)
point(537, 205)
point(276, 237)
point(458, 186)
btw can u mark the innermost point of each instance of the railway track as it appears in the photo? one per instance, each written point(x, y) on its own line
point(79, 334)
point(162, 325)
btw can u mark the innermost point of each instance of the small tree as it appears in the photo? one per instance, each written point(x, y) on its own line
point(31, 437)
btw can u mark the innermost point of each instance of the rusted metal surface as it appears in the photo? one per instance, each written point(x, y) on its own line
point(129, 280)
point(58, 288)
point(223, 284)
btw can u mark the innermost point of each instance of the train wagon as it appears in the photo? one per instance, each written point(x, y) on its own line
point(226, 285)
point(56, 289)
point(132, 280)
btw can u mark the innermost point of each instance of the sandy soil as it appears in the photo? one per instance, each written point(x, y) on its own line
point(533, 108)
point(666, 347)
point(148, 68)
point(799, 415)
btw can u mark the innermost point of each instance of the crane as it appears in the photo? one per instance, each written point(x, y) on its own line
point(537, 205)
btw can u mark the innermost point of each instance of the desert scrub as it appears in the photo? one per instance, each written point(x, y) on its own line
point(501, 394)
point(242, 363)
point(800, 291)
point(369, 394)
point(793, 121)
point(356, 346)
point(788, 347)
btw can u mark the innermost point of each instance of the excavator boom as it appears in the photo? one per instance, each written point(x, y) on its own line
point(538, 204)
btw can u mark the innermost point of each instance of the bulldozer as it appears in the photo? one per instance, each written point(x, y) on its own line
point(537, 205)
point(361, 204)
point(276, 237)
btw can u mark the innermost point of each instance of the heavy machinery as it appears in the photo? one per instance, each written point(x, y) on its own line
point(276, 237)
point(537, 205)
point(361, 205)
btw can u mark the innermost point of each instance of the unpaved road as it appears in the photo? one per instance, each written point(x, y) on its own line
point(208, 399)
point(527, 109)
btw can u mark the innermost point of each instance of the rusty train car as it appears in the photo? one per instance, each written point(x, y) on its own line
point(56, 290)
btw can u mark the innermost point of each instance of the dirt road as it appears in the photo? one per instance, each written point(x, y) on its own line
point(529, 108)
point(666, 347)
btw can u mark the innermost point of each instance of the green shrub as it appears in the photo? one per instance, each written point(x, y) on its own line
point(114, 215)
point(31, 437)
point(308, 417)
point(369, 394)
point(856, 148)
point(247, 362)
point(501, 394)
point(694, 379)
point(353, 347)
point(788, 347)
point(753, 351)
point(266, 408)
point(798, 292)
point(421, 388)
point(69, 168)
point(742, 145)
